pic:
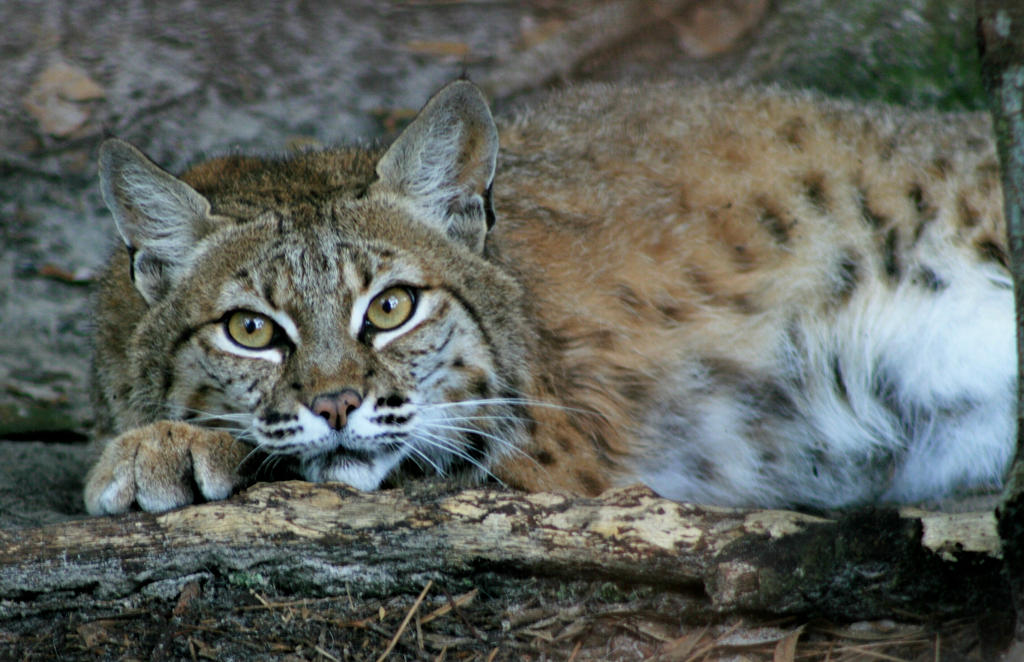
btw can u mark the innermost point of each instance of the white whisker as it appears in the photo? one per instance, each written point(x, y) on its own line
point(449, 446)
point(426, 458)
point(524, 402)
point(470, 419)
point(500, 441)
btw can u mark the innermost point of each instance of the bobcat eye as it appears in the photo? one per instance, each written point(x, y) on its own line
point(390, 309)
point(249, 329)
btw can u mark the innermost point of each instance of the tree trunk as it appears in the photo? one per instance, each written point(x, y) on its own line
point(328, 539)
point(1001, 42)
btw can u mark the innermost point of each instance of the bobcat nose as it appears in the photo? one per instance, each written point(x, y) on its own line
point(335, 407)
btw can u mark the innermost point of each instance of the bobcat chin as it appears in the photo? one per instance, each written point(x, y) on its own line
point(736, 296)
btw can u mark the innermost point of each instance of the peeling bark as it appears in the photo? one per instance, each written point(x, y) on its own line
point(328, 539)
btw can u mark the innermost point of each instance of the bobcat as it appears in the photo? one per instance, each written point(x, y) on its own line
point(737, 296)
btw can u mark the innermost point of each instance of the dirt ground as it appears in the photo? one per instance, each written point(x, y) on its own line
point(184, 80)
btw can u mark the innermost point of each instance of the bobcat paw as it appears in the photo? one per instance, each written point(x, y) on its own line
point(159, 466)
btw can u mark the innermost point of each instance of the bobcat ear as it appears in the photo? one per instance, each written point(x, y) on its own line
point(160, 217)
point(444, 164)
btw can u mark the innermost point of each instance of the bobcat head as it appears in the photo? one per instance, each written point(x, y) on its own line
point(332, 307)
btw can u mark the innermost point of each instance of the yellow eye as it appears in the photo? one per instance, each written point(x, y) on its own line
point(250, 329)
point(390, 309)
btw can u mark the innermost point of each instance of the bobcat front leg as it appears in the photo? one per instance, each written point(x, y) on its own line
point(160, 465)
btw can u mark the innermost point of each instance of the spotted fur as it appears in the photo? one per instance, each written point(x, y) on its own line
point(736, 296)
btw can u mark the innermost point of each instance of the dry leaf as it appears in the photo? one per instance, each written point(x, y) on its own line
point(752, 636)
point(712, 27)
point(785, 650)
point(93, 634)
point(679, 649)
point(203, 649)
point(71, 82)
point(56, 98)
point(189, 592)
point(80, 276)
point(532, 33)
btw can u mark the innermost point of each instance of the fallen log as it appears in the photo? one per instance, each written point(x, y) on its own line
point(322, 539)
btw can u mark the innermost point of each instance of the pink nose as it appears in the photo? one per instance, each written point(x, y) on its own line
point(335, 407)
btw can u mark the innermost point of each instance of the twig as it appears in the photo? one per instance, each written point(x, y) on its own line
point(263, 601)
point(304, 602)
point(405, 621)
point(710, 646)
point(463, 599)
point(870, 653)
point(319, 649)
point(680, 648)
point(462, 617)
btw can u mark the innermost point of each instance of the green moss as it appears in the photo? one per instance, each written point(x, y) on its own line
point(248, 580)
point(919, 53)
